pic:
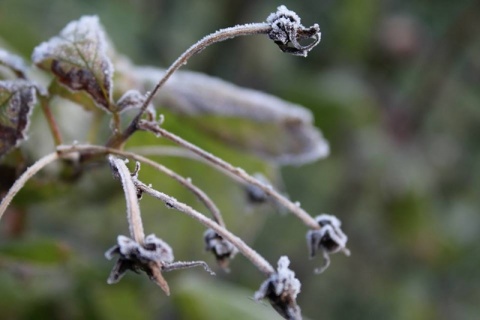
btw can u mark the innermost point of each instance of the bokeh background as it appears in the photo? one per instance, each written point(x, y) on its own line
point(395, 88)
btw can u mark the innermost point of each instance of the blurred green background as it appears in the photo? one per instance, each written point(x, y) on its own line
point(394, 86)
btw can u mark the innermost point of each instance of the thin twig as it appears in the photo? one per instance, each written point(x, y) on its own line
point(52, 124)
point(187, 183)
point(135, 224)
point(20, 182)
point(170, 151)
point(248, 252)
point(292, 207)
point(220, 35)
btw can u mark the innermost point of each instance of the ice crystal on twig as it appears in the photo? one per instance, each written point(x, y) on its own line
point(329, 239)
point(281, 289)
point(287, 31)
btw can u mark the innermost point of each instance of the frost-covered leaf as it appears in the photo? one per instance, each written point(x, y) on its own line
point(82, 98)
point(78, 58)
point(270, 127)
point(13, 62)
point(132, 99)
point(17, 98)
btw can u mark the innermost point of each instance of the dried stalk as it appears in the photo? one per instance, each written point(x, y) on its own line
point(238, 172)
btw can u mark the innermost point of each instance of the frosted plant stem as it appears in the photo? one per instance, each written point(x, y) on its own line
point(181, 153)
point(133, 209)
point(248, 252)
point(187, 183)
point(218, 36)
point(20, 182)
point(294, 208)
point(219, 228)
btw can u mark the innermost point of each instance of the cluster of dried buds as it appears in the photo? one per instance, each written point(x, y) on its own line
point(72, 66)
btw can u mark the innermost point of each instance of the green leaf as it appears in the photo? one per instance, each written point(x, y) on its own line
point(38, 251)
point(78, 58)
point(17, 98)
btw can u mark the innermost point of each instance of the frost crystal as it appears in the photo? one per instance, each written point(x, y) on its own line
point(281, 289)
point(287, 31)
point(329, 239)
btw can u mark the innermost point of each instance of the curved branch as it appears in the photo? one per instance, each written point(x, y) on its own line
point(20, 182)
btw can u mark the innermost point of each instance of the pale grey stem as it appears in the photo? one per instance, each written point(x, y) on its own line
point(187, 183)
point(20, 182)
point(268, 189)
point(178, 265)
point(133, 209)
point(248, 252)
point(218, 36)
point(181, 153)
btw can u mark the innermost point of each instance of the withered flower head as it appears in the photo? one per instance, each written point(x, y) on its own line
point(281, 289)
point(329, 239)
point(151, 257)
point(287, 31)
point(223, 250)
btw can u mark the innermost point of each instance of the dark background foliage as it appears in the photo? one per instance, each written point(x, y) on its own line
point(394, 86)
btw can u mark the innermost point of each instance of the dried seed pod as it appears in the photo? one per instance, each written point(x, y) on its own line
point(329, 239)
point(281, 289)
point(151, 257)
point(287, 31)
point(223, 250)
